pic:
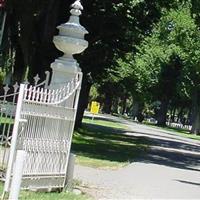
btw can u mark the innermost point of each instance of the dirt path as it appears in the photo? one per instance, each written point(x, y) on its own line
point(170, 170)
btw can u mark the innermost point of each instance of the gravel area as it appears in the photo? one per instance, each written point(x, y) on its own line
point(170, 170)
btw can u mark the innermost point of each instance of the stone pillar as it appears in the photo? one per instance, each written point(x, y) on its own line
point(70, 41)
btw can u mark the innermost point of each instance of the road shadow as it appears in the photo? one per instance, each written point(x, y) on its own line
point(171, 152)
point(167, 141)
point(188, 182)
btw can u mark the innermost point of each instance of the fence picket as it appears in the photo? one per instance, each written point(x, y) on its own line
point(36, 79)
point(29, 93)
point(37, 94)
point(41, 94)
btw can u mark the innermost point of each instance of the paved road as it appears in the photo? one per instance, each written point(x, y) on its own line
point(170, 170)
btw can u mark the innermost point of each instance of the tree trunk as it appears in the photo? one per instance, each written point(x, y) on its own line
point(135, 109)
point(83, 101)
point(115, 105)
point(189, 119)
point(37, 25)
point(124, 101)
point(19, 66)
point(180, 115)
point(107, 103)
point(162, 113)
point(44, 51)
point(172, 119)
point(195, 113)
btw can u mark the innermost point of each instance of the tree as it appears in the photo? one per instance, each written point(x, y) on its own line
point(174, 43)
point(32, 25)
point(115, 28)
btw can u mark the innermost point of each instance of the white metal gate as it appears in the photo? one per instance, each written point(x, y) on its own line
point(8, 101)
point(44, 126)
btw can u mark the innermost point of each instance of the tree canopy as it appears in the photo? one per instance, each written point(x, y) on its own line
point(142, 55)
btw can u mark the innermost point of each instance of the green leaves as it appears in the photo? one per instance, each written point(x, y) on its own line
point(176, 34)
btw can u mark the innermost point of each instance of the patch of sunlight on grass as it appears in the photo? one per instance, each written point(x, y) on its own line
point(28, 195)
point(6, 120)
point(99, 163)
point(106, 123)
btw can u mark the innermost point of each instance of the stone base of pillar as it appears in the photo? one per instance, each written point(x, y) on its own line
point(64, 70)
point(70, 172)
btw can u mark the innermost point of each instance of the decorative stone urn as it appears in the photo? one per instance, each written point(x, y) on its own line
point(70, 41)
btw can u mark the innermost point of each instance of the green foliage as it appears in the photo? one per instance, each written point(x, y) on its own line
point(51, 196)
point(137, 48)
point(94, 93)
point(2, 74)
point(176, 34)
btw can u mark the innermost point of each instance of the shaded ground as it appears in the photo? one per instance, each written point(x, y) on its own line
point(168, 149)
point(170, 170)
point(106, 147)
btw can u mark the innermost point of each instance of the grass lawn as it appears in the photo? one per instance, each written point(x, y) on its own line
point(6, 120)
point(101, 144)
point(27, 195)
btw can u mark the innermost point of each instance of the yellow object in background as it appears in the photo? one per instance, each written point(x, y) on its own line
point(95, 106)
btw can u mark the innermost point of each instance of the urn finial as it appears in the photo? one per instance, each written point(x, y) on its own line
point(70, 40)
point(76, 8)
point(75, 12)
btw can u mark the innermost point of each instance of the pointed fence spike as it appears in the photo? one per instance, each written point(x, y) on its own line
point(37, 94)
point(26, 92)
point(33, 93)
point(6, 89)
point(45, 96)
point(16, 87)
point(41, 94)
point(36, 79)
point(26, 82)
point(47, 79)
point(50, 96)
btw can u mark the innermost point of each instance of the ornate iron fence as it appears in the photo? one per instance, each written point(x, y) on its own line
point(8, 102)
point(43, 127)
